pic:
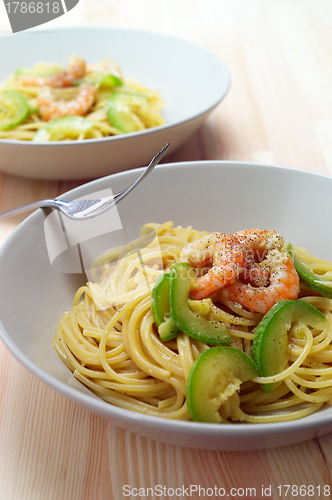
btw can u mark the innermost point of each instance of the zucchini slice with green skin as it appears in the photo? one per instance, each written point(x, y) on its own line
point(194, 325)
point(161, 309)
point(216, 374)
point(102, 80)
point(60, 129)
point(14, 109)
point(270, 344)
point(119, 111)
point(316, 282)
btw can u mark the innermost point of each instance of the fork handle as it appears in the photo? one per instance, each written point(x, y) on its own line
point(30, 206)
point(48, 203)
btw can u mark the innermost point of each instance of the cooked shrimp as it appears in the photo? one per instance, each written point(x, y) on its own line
point(256, 274)
point(75, 70)
point(258, 243)
point(283, 284)
point(225, 253)
point(60, 102)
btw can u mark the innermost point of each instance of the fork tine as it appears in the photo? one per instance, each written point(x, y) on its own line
point(152, 164)
point(105, 204)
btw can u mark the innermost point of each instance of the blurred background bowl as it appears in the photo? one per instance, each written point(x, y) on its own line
point(191, 80)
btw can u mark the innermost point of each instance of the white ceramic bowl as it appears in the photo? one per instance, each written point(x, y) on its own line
point(191, 80)
point(221, 196)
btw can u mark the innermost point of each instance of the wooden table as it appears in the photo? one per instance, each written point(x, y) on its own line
point(278, 110)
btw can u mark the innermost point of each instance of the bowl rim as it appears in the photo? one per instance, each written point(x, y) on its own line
point(121, 137)
point(118, 414)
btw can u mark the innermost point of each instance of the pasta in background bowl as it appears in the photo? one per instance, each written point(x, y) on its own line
point(163, 64)
point(29, 321)
point(82, 101)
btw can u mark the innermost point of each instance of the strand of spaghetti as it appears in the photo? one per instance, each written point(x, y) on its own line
point(173, 403)
point(125, 378)
point(70, 336)
point(231, 409)
point(165, 348)
point(198, 346)
point(285, 373)
point(129, 262)
point(93, 314)
point(319, 341)
point(132, 330)
point(154, 389)
point(275, 406)
point(120, 283)
point(240, 334)
point(320, 396)
point(109, 300)
point(256, 396)
point(130, 305)
point(238, 309)
point(324, 338)
point(114, 340)
point(225, 410)
point(306, 257)
point(323, 371)
point(72, 363)
point(133, 404)
point(177, 241)
point(322, 303)
point(88, 352)
point(185, 353)
point(310, 383)
point(59, 348)
point(161, 228)
point(283, 417)
point(322, 356)
point(142, 259)
point(326, 335)
point(156, 349)
point(110, 282)
point(104, 262)
point(78, 295)
point(95, 321)
point(99, 318)
point(220, 315)
point(133, 345)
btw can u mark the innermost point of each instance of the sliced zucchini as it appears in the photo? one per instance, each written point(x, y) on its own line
point(193, 324)
point(270, 344)
point(215, 376)
point(102, 80)
point(161, 309)
point(14, 109)
point(317, 282)
point(61, 129)
point(119, 110)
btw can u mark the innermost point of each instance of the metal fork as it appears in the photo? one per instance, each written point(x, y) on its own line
point(86, 209)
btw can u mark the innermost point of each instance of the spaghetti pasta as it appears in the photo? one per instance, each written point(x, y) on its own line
point(110, 342)
point(145, 104)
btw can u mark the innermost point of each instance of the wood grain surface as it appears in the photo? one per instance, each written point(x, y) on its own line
point(278, 111)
